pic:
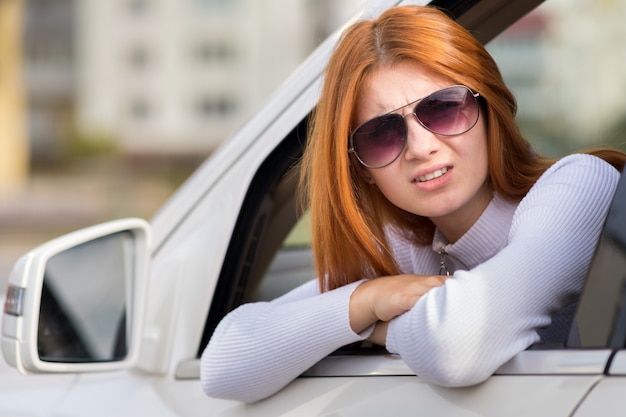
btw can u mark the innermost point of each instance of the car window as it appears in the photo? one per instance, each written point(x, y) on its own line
point(600, 319)
point(267, 217)
point(292, 265)
point(568, 85)
point(300, 235)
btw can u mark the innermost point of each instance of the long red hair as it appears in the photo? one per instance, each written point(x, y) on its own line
point(348, 215)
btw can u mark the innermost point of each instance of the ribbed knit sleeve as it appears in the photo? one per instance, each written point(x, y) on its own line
point(509, 280)
point(259, 348)
point(461, 333)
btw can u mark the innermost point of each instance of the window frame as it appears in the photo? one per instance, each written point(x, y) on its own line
point(267, 215)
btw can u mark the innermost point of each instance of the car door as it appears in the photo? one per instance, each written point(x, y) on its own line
point(607, 397)
point(601, 317)
point(537, 382)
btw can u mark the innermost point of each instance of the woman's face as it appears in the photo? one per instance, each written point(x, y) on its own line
point(443, 178)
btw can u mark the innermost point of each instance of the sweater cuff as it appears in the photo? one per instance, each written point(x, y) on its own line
point(391, 343)
point(349, 289)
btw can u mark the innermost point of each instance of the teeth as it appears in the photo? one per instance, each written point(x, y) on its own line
point(433, 175)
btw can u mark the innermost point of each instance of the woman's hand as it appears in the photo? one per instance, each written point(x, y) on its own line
point(379, 335)
point(384, 298)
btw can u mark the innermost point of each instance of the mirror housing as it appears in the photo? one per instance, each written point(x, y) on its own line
point(89, 314)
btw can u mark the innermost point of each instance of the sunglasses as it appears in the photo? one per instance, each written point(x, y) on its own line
point(448, 112)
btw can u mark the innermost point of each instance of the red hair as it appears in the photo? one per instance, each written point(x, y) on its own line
point(348, 214)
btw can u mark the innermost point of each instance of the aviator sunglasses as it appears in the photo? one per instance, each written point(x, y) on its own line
point(448, 112)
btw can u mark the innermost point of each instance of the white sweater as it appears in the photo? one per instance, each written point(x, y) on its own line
point(516, 266)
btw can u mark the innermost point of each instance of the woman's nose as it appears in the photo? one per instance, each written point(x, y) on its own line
point(421, 142)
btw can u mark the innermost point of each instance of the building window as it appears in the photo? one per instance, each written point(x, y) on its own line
point(215, 52)
point(216, 5)
point(138, 7)
point(53, 53)
point(140, 109)
point(139, 57)
point(210, 107)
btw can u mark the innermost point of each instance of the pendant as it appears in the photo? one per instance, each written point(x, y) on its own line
point(443, 269)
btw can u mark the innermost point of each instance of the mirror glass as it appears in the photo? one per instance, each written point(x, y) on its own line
point(84, 301)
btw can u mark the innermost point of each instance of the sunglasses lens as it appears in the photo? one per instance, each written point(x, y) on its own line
point(451, 111)
point(379, 142)
point(448, 112)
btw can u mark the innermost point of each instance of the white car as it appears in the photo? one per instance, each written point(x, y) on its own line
point(111, 320)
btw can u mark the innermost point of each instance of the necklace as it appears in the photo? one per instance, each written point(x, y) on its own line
point(443, 269)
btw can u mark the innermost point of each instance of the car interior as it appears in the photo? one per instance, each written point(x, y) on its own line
point(604, 294)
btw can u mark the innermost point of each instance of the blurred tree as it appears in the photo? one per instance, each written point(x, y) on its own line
point(13, 141)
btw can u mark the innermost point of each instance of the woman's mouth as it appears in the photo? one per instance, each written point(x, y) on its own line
point(432, 175)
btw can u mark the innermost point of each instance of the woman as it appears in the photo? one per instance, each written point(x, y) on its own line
point(437, 231)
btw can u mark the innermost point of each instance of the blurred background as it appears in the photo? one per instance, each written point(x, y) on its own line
point(106, 106)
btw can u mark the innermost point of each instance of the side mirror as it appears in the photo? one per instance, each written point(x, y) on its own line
point(75, 304)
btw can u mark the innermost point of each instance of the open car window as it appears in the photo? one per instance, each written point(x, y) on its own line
point(291, 266)
point(600, 319)
point(563, 106)
point(536, 56)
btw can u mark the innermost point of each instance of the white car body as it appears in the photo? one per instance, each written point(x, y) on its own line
point(194, 242)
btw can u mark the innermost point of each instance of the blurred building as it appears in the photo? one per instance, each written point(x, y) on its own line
point(13, 140)
point(49, 74)
point(161, 77)
point(589, 95)
point(180, 76)
point(566, 107)
point(521, 61)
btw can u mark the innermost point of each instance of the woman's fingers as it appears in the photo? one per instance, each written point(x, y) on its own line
point(387, 297)
point(395, 295)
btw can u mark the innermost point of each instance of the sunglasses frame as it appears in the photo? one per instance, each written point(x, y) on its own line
point(414, 103)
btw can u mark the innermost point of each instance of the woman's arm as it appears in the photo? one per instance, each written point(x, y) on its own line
point(460, 333)
point(259, 348)
point(381, 299)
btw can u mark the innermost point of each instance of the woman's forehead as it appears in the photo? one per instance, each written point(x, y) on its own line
point(390, 87)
